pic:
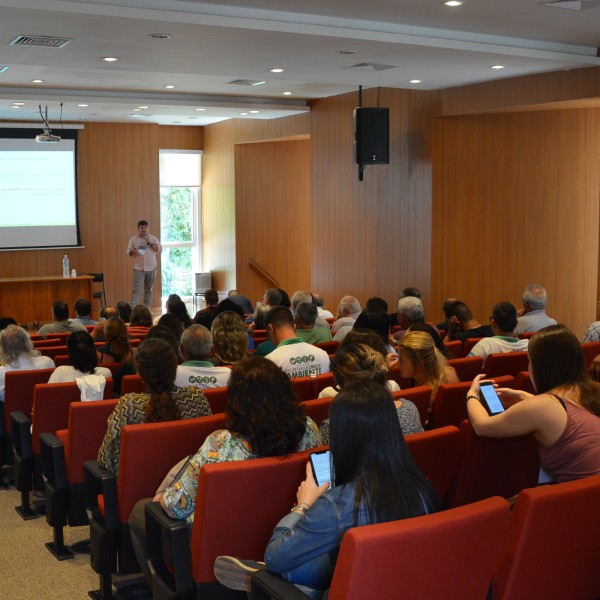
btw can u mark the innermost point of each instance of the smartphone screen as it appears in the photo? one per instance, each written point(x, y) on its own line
point(491, 398)
point(321, 466)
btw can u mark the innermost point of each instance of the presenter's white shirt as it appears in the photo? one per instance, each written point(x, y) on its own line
point(299, 359)
point(146, 259)
point(202, 374)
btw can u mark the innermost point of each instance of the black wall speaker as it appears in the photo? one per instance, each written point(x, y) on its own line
point(371, 136)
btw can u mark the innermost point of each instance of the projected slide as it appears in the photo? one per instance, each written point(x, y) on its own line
point(38, 206)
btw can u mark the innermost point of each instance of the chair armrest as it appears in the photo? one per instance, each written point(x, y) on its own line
point(168, 549)
point(267, 585)
point(54, 466)
point(98, 480)
point(21, 430)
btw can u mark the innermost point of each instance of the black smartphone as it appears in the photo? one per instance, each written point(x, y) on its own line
point(321, 466)
point(490, 398)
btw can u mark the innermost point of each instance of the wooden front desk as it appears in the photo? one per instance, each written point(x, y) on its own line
point(28, 299)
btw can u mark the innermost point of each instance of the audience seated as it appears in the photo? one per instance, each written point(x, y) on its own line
point(61, 323)
point(170, 301)
point(141, 318)
point(116, 348)
point(563, 417)
point(264, 419)
point(5, 322)
point(462, 324)
point(156, 364)
point(347, 312)
point(374, 480)
point(204, 316)
point(124, 309)
point(359, 362)
point(196, 368)
point(295, 357)
point(17, 354)
point(410, 310)
point(83, 310)
point(375, 318)
point(306, 296)
point(173, 324)
point(305, 317)
point(445, 324)
point(504, 321)
point(319, 303)
point(179, 309)
point(435, 335)
point(240, 301)
point(229, 338)
point(533, 317)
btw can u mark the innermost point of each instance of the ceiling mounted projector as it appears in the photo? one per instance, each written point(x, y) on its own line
point(46, 137)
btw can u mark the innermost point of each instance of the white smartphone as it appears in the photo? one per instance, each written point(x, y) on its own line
point(490, 398)
point(321, 466)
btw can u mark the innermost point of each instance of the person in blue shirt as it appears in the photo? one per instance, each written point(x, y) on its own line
point(375, 480)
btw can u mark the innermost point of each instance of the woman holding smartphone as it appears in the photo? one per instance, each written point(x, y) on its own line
point(564, 416)
point(375, 480)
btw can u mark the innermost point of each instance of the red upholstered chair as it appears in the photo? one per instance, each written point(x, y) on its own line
point(492, 467)
point(403, 382)
point(42, 343)
point(110, 498)
point(590, 351)
point(62, 457)
point(305, 387)
point(449, 554)
point(527, 335)
point(61, 360)
point(523, 382)
point(436, 453)
point(260, 334)
point(552, 544)
point(323, 381)
point(449, 407)
point(217, 398)
point(454, 348)
point(18, 392)
point(329, 347)
point(468, 345)
point(132, 384)
point(59, 335)
point(506, 363)
point(420, 396)
point(241, 526)
point(317, 410)
point(112, 367)
point(467, 368)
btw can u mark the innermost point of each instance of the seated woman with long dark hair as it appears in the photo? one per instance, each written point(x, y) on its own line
point(564, 416)
point(117, 348)
point(375, 480)
point(156, 364)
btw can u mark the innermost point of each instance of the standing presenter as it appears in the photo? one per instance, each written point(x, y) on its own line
point(144, 248)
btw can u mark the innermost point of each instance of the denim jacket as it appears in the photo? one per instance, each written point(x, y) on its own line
point(304, 548)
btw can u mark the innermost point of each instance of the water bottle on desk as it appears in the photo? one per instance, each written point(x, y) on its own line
point(65, 266)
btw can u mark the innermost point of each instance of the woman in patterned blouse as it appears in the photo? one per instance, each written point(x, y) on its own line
point(156, 364)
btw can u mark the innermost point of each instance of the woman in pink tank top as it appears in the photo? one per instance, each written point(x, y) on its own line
point(564, 416)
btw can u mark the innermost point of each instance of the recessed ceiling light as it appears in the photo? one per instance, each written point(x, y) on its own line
point(16, 106)
point(160, 36)
point(170, 87)
point(276, 70)
point(415, 81)
point(243, 114)
point(83, 105)
point(37, 81)
point(453, 3)
point(496, 67)
point(254, 112)
point(258, 83)
point(18, 103)
point(348, 51)
point(136, 109)
point(143, 107)
point(130, 115)
point(109, 59)
point(200, 109)
point(287, 93)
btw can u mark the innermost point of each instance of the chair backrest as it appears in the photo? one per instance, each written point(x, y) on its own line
point(454, 348)
point(329, 347)
point(420, 396)
point(51, 403)
point(259, 334)
point(52, 351)
point(149, 450)
point(492, 467)
point(468, 345)
point(403, 382)
point(449, 554)
point(506, 363)
point(467, 368)
point(305, 387)
point(42, 343)
point(112, 367)
point(243, 524)
point(217, 398)
point(132, 384)
point(590, 351)
point(523, 382)
point(61, 335)
point(323, 381)
point(552, 544)
point(85, 432)
point(527, 335)
point(317, 410)
point(18, 391)
point(449, 406)
point(436, 453)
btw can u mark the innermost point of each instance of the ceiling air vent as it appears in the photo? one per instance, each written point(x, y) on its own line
point(574, 4)
point(370, 66)
point(40, 41)
point(248, 82)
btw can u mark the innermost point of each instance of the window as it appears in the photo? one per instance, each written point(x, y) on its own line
point(180, 191)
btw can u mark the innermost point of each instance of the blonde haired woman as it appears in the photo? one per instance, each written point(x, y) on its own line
point(419, 359)
point(230, 338)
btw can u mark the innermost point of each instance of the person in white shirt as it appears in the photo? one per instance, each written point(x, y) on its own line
point(144, 248)
point(17, 354)
point(196, 346)
point(532, 317)
point(504, 321)
point(320, 302)
point(295, 357)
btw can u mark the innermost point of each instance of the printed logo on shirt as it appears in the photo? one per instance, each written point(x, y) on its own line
point(299, 360)
point(206, 380)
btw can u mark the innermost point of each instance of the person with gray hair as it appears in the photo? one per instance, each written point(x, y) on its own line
point(533, 317)
point(17, 354)
point(305, 320)
point(410, 310)
point(306, 296)
point(320, 302)
point(196, 346)
point(347, 313)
